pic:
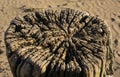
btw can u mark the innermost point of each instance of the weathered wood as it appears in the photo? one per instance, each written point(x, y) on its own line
point(54, 43)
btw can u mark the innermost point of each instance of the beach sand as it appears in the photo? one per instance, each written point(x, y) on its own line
point(108, 10)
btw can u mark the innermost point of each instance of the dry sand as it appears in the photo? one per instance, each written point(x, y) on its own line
point(109, 10)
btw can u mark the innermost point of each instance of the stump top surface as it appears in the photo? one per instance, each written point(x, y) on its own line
point(55, 43)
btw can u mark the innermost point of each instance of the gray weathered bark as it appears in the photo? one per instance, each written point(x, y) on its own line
point(54, 43)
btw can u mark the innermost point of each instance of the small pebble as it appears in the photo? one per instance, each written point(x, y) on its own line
point(49, 6)
point(119, 24)
point(1, 10)
point(118, 16)
point(112, 19)
point(58, 5)
point(0, 41)
point(64, 4)
point(116, 42)
point(78, 4)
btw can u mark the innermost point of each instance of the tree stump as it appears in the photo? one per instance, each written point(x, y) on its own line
point(59, 43)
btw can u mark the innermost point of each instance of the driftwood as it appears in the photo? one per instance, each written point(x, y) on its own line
point(59, 43)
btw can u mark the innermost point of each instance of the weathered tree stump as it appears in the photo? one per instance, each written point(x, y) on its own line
point(59, 43)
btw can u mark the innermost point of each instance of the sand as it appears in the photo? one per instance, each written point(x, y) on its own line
point(108, 10)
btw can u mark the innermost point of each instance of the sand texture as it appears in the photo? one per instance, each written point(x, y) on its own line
point(108, 10)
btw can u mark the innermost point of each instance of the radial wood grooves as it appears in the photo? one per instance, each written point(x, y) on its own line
point(54, 43)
